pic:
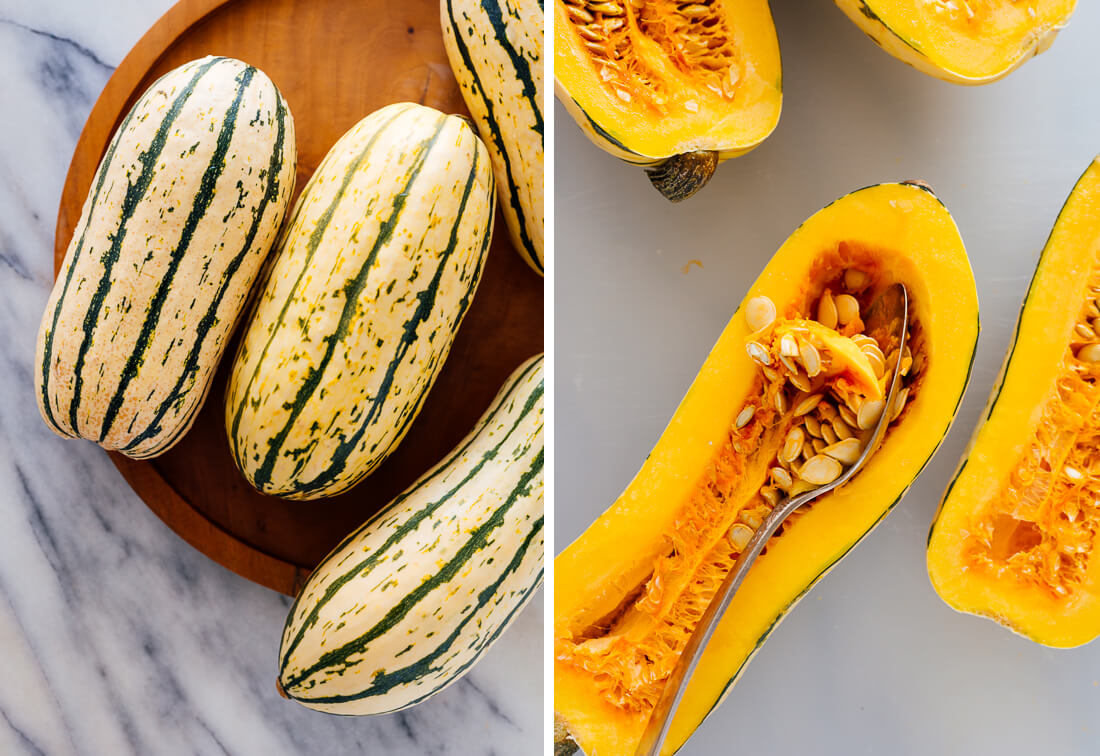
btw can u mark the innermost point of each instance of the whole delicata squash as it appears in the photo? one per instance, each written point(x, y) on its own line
point(677, 86)
point(784, 402)
point(961, 41)
point(1016, 534)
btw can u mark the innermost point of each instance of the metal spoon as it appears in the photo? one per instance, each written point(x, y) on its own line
point(887, 316)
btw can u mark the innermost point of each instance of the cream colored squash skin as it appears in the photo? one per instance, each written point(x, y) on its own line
point(495, 50)
point(182, 211)
point(408, 603)
point(894, 25)
point(369, 283)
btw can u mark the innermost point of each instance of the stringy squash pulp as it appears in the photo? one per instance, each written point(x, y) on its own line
point(766, 417)
point(961, 41)
point(1017, 530)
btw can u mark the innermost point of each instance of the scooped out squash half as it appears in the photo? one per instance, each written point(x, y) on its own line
point(1015, 538)
point(767, 416)
point(672, 85)
point(961, 41)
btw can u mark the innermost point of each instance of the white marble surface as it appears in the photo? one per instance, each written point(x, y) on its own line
point(872, 662)
point(115, 636)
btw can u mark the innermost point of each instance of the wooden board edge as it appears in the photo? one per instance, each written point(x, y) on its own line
point(203, 534)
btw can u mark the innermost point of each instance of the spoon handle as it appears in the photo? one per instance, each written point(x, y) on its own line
point(892, 307)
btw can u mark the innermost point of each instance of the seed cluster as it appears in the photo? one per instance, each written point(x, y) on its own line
point(695, 37)
point(1041, 527)
point(817, 417)
point(832, 418)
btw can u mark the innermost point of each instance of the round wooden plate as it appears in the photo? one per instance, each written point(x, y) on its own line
point(335, 62)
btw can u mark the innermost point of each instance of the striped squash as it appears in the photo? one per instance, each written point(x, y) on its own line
point(182, 211)
point(408, 603)
point(495, 49)
point(370, 281)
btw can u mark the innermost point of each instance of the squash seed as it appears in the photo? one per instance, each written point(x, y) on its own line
point(878, 362)
point(811, 358)
point(751, 519)
point(591, 33)
point(781, 477)
point(792, 446)
point(759, 313)
point(828, 434)
point(826, 310)
point(788, 347)
point(854, 402)
point(580, 14)
point(788, 363)
point(770, 373)
point(740, 535)
point(608, 9)
point(841, 428)
point(847, 414)
point(847, 309)
point(758, 353)
point(899, 403)
point(745, 415)
point(781, 402)
point(1085, 332)
point(845, 452)
point(807, 405)
point(770, 494)
point(819, 445)
point(826, 411)
point(694, 11)
point(1073, 473)
point(855, 279)
point(1089, 353)
point(812, 425)
point(820, 470)
point(613, 24)
point(1095, 323)
point(801, 382)
point(869, 413)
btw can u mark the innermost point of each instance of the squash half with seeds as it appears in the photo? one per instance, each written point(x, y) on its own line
point(1016, 536)
point(676, 86)
point(785, 400)
point(961, 41)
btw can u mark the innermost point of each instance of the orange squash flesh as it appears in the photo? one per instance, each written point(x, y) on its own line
point(631, 585)
point(962, 41)
point(1017, 531)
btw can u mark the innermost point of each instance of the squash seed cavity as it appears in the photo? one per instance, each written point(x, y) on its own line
point(819, 390)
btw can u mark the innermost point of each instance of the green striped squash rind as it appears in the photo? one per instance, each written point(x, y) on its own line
point(365, 292)
point(409, 602)
point(183, 209)
point(495, 50)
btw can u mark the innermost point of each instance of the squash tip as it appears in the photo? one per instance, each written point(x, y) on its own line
point(683, 175)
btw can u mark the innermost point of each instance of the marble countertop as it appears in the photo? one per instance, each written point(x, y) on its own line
point(872, 661)
point(116, 636)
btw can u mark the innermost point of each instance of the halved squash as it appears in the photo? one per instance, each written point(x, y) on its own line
point(674, 85)
point(765, 414)
point(961, 41)
point(1016, 536)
